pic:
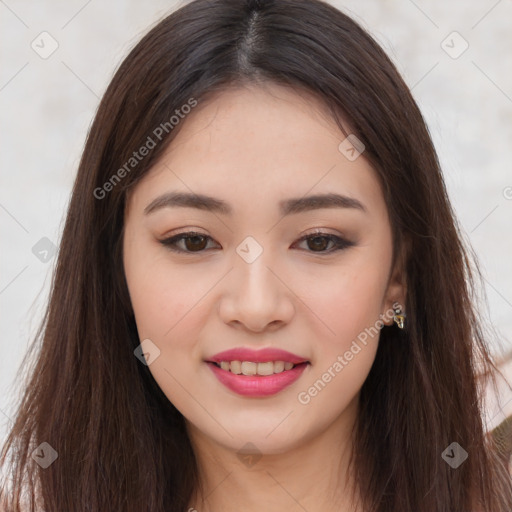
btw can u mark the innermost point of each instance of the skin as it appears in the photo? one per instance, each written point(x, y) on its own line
point(252, 147)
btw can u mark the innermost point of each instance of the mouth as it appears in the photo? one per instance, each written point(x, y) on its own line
point(252, 368)
point(257, 379)
point(257, 373)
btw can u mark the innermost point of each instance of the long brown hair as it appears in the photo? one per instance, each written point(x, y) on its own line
point(121, 444)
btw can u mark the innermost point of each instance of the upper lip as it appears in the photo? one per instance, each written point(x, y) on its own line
point(257, 356)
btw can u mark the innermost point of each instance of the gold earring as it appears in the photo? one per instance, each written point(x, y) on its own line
point(399, 317)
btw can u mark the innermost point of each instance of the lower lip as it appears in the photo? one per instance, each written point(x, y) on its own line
point(258, 385)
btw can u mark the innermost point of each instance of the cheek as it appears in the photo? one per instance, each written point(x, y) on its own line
point(348, 305)
point(170, 306)
point(165, 301)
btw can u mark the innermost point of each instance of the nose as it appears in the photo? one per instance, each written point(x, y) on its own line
point(256, 296)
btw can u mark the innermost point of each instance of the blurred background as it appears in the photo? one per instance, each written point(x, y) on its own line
point(58, 57)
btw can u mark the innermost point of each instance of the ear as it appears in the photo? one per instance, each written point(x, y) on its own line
point(396, 291)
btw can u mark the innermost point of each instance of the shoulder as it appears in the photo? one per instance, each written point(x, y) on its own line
point(502, 435)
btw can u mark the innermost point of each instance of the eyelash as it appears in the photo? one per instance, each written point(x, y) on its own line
point(340, 243)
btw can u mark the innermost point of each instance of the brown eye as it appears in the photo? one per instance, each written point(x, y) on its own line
point(187, 242)
point(193, 242)
point(319, 243)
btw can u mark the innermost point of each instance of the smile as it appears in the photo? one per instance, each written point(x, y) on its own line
point(254, 385)
point(252, 368)
point(257, 373)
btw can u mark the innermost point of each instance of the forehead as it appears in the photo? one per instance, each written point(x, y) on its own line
point(259, 144)
point(279, 118)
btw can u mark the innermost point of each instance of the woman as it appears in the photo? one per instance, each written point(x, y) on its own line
point(262, 297)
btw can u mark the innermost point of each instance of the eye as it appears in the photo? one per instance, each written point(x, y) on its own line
point(193, 242)
point(317, 242)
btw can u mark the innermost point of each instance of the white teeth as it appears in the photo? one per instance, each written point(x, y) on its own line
point(266, 368)
point(236, 367)
point(251, 368)
point(278, 366)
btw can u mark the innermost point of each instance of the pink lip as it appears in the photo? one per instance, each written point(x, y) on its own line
point(257, 356)
point(257, 385)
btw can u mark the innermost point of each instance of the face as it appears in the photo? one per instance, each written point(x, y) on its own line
point(260, 267)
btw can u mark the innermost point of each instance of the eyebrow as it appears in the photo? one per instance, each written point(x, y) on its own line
point(286, 206)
